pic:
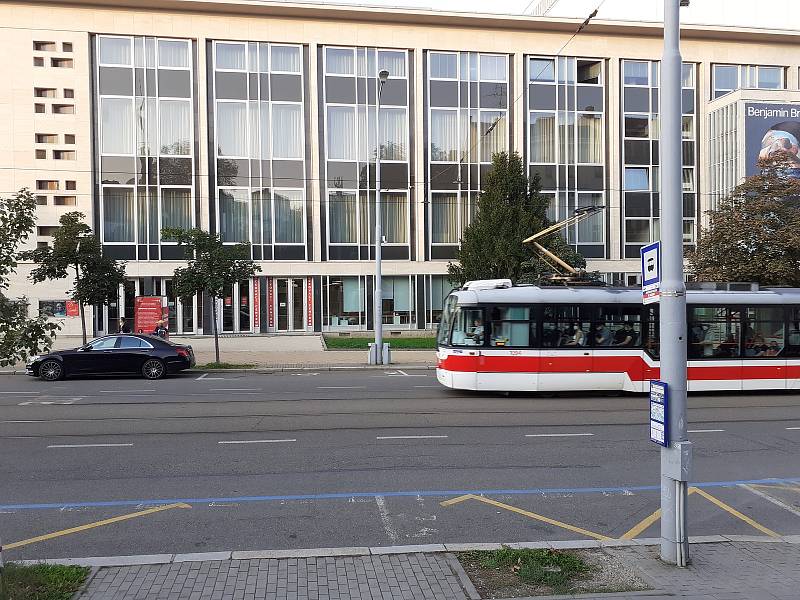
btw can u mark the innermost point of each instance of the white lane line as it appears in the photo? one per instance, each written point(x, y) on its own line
point(20, 392)
point(340, 387)
point(234, 390)
point(792, 428)
point(558, 434)
point(123, 391)
point(89, 445)
point(705, 430)
point(255, 441)
point(388, 526)
point(769, 498)
point(203, 376)
point(410, 437)
point(427, 386)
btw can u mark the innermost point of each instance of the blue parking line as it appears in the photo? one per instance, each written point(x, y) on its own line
point(385, 494)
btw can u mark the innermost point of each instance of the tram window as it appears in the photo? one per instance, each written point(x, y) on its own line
point(618, 327)
point(793, 335)
point(714, 332)
point(511, 327)
point(468, 327)
point(764, 334)
point(651, 331)
point(566, 326)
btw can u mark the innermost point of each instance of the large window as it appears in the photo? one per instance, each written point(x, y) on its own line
point(714, 332)
point(342, 132)
point(393, 133)
point(176, 208)
point(117, 126)
point(289, 217)
point(115, 50)
point(176, 127)
point(444, 135)
point(232, 129)
point(726, 78)
point(764, 332)
point(118, 214)
point(343, 226)
point(234, 215)
point(511, 327)
point(287, 131)
point(444, 210)
point(344, 299)
point(398, 300)
point(542, 137)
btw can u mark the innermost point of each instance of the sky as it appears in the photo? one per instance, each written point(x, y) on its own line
point(776, 14)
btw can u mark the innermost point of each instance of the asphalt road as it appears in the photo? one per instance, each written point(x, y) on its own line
point(365, 458)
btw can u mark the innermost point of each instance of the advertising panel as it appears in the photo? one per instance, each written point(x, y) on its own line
point(770, 128)
point(147, 312)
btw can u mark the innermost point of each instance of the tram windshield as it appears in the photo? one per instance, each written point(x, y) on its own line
point(443, 335)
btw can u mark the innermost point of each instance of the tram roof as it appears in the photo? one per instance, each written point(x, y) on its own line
point(616, 295)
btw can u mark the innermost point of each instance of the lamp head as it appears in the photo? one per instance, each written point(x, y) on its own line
point(383, 75)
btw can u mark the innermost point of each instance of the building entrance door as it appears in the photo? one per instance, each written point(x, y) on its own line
point(291, 304)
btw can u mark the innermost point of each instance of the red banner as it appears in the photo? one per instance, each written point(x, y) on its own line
point(73, 309)
point(270, 302)
point(256, 305)
point(310, 302)
point(147, 312)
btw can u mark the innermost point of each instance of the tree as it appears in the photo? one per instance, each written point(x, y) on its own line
point(76, 251)
point(753, 234)
point(510, 209)
point(212, 267)
point(20, 336)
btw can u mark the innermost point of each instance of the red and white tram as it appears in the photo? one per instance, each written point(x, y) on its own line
point(496, 337)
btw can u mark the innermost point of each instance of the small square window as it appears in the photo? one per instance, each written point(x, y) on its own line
point(70, 185)
point(44, 92)
point(541, 69)
point(64, 200)
point(66, 46)
point(38, 61)
point(61, 63)
point(63, 109)
point(41, 200)
point(46, 138)
point(69, 138)
point(69, 93)
point(64, 154)
point(39, 108)
point(46, 184)
point(44, 46)
point(589, 71)
point(41, 154)
point(42, 244)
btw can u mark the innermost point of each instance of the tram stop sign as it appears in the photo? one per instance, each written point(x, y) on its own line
point(659, 406)
point(651, 272)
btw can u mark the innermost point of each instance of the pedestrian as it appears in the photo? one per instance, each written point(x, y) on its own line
point(160, 330)
point(123, 326)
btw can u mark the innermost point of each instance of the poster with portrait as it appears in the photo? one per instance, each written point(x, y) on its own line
point(771, 128)
point(53, 308)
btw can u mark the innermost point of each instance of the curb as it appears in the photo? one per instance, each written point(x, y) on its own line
point(270, 370)
point(161, 559)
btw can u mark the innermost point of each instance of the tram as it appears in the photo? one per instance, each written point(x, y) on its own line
point(496, 337)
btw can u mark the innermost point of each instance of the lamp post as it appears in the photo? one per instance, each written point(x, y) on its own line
point(377, 356)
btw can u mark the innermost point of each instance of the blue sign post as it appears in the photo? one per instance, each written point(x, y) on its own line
point(651, 272)
point(659, 409)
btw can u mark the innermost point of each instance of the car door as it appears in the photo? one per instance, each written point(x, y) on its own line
point(131, 353)
point(99, 357)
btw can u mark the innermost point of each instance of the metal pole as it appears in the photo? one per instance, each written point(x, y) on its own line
point(378, 318)
point(674, 544)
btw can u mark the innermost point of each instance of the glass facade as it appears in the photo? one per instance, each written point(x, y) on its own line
point(640, 163)
point(145, 139)
point(467, 122)
point(259, 142)
point(354, 132)
point(566, 150)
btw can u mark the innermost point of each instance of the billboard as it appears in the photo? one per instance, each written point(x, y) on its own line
point(770, 128)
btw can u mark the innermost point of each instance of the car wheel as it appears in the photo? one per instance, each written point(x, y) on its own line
point(153, 369)
point(51, 370)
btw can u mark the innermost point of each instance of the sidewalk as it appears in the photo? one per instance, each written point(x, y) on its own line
point(274, 352)
point(749, 568)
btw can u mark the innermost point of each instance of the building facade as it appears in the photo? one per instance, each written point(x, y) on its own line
point(261, 122)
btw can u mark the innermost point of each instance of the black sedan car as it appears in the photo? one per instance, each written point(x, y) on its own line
point(148, 355)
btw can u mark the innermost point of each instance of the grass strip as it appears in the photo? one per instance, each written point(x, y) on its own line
point(334, 342)
point(551, 568)
point(41, 582)
point(225, 365)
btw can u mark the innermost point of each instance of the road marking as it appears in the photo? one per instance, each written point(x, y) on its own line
point(89, 445)
point(203, 376)
point(410, 437)
point(63, 532)
point(50, 402)
point(388, 527)
point(705, 430)
point(732, 511)
point(340, 387)
point(642, 525)
point(123, 391)
point(792, 428)
point(543, 519)
point(234, 390)
point(20, 392)
point(255, 441)
point(427, 386)
point(557, 434)
point(769, 498)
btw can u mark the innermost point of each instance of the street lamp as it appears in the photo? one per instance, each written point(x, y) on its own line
point(376, 356)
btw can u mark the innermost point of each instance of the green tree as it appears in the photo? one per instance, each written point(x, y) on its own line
point(76, 252)
point(211, 267)
point(20, 336)
point(753, 234)
point(510, 209)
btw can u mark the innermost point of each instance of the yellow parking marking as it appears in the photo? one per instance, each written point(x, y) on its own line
point(641, 526)
point(526, 513)
point(729, 509)
point(55, 534)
